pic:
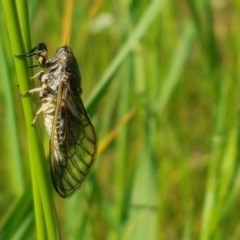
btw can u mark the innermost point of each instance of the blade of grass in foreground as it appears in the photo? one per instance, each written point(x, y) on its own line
point(43, 201)
point(12, 137)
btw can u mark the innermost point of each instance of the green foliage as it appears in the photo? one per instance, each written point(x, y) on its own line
point(160, 81)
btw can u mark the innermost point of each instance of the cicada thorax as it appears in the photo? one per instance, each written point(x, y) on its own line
point(73, 141)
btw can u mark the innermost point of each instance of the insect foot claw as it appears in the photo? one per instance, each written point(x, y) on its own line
point(25, 94)
point(33, 122)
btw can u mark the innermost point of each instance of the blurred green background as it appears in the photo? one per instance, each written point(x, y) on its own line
point(161, 84)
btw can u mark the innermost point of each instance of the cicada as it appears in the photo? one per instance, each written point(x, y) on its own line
point(73, 142)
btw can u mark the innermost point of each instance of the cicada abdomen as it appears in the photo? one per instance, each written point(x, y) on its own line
point(73, 143)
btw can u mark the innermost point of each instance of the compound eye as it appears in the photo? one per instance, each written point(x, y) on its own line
point(42, 47)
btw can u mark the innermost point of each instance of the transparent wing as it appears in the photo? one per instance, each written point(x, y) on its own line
point(73, 144)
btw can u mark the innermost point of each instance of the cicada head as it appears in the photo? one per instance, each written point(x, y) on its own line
point(40, 51)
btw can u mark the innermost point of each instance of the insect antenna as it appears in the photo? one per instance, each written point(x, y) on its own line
point(66, 40)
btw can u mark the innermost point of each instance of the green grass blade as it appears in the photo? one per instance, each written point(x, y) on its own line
point(43, 201)
point(12, 136)
point(19, 219)
point(149, 16)
point(176, 67)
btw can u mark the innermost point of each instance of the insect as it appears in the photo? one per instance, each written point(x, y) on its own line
point(73, 142)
